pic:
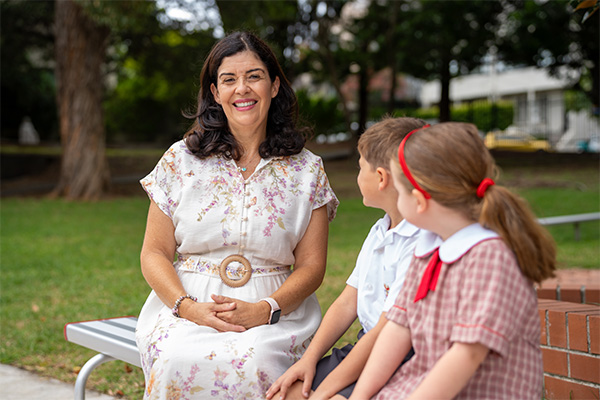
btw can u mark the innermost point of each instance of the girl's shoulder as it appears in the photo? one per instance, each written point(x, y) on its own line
point(494, 244)
point(491, 248)
point(499, 259)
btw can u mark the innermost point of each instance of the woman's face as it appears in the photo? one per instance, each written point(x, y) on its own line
point(244, 90)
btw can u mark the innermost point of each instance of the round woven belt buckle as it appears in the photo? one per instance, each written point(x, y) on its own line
point(246, 267)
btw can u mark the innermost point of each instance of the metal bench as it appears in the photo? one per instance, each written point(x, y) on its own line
point(112, 338)
point(571, 219)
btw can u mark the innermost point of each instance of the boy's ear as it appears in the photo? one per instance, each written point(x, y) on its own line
point(422, 203)
point(385, 178)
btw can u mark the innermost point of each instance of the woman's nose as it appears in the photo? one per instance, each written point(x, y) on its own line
point(242, 86)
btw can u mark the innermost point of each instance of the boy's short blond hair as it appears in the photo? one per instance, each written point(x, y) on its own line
point(379, 143)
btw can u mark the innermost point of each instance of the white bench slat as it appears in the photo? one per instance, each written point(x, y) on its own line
point(114, 337)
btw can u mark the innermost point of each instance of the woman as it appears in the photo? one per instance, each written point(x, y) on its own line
point(236, 203)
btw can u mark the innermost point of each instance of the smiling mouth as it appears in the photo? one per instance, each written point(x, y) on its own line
point(245, 104)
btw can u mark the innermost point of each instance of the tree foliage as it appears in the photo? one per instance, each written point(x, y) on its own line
point(149, 61)
point(277, 22)
point(445, 39)
point(553, 35)
point(157, 80)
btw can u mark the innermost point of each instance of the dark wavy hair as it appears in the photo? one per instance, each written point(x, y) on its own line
point(210, 134)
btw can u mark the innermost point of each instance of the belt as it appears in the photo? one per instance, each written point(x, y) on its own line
point(230, 275)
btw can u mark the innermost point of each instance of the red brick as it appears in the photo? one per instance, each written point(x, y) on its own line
point(594, 326)
point(577, 326)
point(557, 328)
point(592, 295)
point(572, 295)
point(585, 368)
point(555, 362)
point(546, 293)
point(555, 388)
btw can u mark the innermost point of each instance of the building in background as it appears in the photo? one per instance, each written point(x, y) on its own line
point(539, 103)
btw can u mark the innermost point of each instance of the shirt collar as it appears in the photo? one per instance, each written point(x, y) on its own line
point(456, 245)
point(386, 236)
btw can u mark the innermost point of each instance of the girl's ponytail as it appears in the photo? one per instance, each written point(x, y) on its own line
point(510, 216)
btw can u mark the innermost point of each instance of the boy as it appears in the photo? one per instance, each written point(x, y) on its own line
point(373, 285)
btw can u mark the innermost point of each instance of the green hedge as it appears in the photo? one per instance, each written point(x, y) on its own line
point(485, 115)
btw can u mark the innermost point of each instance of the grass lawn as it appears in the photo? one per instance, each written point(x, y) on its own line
point(64, 261)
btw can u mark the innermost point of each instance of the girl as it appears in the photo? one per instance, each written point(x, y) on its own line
point(468, 306)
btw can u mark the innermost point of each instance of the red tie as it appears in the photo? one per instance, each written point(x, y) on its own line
point(430, 277)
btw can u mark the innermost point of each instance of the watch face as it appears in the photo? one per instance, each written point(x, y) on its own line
point(275, 317)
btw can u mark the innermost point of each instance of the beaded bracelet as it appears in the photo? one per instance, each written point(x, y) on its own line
point(175, 309)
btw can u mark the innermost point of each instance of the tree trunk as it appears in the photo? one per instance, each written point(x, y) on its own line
point(324, 44)
point(445, 89)
point(390, 33)
point(80, 52)
point(363, 99)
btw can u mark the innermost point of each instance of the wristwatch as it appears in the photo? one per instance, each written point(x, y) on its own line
point(275, 310)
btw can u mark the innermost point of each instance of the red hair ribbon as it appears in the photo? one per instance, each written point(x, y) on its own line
point(487, 182)
point(405, 167)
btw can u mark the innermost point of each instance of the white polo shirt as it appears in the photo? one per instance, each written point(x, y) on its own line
point(381, 267)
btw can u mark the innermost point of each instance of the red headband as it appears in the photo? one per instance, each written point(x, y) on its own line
point(405, 167)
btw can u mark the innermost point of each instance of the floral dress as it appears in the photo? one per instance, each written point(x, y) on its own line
point(216, 213)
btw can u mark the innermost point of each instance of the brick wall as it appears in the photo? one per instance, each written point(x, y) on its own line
point(570, 343)
point(572, 292)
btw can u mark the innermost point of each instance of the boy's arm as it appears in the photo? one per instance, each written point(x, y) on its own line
point(348, 371)
point(338, 318)
point(392, 345)
point(451, 372)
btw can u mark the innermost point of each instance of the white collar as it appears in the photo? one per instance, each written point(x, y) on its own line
point(404, 228)
point(456, 245)
point(386, 235)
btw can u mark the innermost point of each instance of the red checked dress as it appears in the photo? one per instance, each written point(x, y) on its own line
point(481, 297)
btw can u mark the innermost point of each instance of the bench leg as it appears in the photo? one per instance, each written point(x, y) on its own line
point(85, 372)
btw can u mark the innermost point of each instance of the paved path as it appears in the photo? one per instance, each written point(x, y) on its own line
point(18, 384)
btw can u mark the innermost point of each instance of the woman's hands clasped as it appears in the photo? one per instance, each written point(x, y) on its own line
point(244, 314)
point(226, 314)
